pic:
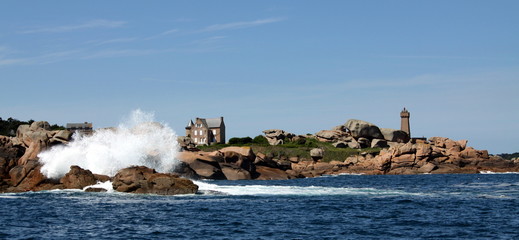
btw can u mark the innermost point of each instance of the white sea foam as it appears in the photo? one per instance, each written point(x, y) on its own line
point(137, 141)
point(342, 174)
point(104, 185)
point(490, 172)
point(258, 190)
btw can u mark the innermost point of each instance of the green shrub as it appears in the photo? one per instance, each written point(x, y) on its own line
point(260, 140)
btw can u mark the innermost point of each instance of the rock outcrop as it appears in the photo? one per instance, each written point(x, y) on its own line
point(277, 136)
point(203, 165)
point(393, 135)
point(340, 134)
point(78, 178)
point(143, 180)
point(359, 128)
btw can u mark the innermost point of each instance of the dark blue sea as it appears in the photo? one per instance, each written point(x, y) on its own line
point(479, 206)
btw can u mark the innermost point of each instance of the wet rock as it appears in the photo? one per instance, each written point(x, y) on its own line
point(268, 173)
point(78, 178)
point(26, 177)
point(90, 189)
point(205, 166)
point(140, 179)
point(241, 157)
point(9, 155)
point(233, 172)
point(427, 168)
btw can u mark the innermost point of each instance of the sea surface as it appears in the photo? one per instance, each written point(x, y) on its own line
point(464, 206)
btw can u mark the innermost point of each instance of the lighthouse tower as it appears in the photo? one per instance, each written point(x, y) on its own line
point(404, 115)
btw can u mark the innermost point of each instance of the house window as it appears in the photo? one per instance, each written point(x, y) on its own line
point(214, 131)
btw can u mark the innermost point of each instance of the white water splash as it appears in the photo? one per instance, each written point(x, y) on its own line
point(137, 141)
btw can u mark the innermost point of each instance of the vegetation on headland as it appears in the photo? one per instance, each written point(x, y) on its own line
point(8, 127)
point(300, 148)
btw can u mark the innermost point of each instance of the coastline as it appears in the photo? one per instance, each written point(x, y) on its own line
point(21, 169)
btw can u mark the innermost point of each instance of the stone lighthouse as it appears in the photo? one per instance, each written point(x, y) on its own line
point(404, 115)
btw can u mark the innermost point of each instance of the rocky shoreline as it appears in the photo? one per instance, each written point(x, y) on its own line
point(20, 169)
point(399, 154)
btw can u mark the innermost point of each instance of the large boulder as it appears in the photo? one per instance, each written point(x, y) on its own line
point(277, 136)
point(340, 144)
point(268, 173)
point(60, 136)
point(9, 155)
point(378, 143)
point(317, 153)
point(26, 177)
point(331, 135)
point(359, 128)
point(393, 135)
point(205, 166)
point(264, 160)
point(78, 178)
point(354, 144)
point(427, 168)
point(38, 137)
point(140, 179)
point(233, 172)
point(242, 157)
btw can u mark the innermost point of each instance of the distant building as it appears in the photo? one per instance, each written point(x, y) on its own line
point(206, 131)
point(82, 128)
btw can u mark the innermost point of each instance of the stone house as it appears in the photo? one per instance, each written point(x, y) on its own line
point(206, 131)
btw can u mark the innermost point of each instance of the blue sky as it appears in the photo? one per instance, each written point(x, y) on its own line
point(301, 66)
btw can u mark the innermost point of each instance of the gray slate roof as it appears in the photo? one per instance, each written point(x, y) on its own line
point(212, 122)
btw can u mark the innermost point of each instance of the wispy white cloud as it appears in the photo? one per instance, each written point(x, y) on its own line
point(40, 59)
point(187, 82)
point(80, 54)
point(99, 23)
point(13, 61)
point(121, 53)
point(111, 41)
point(162, 34)
point(208, 40)
point(428, 57)
point(238, 25)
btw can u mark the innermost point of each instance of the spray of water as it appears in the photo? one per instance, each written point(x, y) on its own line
point(137, 141)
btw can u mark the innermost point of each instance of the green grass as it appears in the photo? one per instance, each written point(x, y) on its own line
point(299, 149)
